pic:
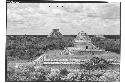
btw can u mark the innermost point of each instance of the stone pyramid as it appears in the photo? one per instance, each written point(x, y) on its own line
point(55, 34)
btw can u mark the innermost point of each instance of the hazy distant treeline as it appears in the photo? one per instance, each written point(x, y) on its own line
point(106, 36)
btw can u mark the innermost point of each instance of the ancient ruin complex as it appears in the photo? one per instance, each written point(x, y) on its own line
point(82, 50)
point(82, 45)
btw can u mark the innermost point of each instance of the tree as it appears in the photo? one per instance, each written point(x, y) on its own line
point(64, 71)
point(95, 63)
point(88, 66)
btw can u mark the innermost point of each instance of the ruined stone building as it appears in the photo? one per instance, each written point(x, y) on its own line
point(82, 45)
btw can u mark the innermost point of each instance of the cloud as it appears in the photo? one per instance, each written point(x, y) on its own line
point(106, 11)
point(38, 18)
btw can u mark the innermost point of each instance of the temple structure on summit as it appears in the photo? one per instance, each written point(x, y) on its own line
point(82, 45)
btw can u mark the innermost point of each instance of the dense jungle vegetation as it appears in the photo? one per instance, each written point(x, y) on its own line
point(30, 46)
point(27, 47)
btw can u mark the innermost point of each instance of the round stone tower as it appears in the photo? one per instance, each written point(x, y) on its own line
point(82, 41)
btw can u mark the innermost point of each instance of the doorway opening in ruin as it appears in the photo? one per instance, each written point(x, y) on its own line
point(86, 47)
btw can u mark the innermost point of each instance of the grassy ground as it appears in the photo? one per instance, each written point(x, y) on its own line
point(107, 55)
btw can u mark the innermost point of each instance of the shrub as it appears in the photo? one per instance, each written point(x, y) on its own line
point(88, 78)
point(73, 77)
point(110, 76)
point(54, 75)
point(64, 71)
point(95, 64)
point(27, 74)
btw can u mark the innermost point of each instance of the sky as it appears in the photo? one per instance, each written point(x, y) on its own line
point(69, 18)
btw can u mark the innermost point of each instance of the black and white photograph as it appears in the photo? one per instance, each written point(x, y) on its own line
point(63, 42)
